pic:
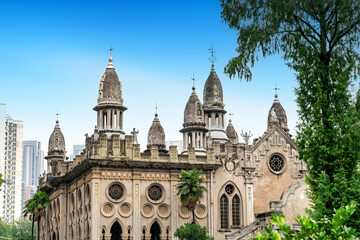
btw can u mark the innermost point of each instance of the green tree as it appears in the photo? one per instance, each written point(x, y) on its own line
point(325, 228)
point(20, 229)
point(318, 40)
point(190, 189)
point(34, 205)
point(192, 231)
point(2, 181)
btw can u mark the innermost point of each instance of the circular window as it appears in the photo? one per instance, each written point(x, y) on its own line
point(155, 192)
point(229, 189)
point(116, 191)
point(276, 163)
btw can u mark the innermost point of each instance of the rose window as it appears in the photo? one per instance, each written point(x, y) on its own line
point(155, 192)
point(116, 191)
point(276, 163)
point(229, 189)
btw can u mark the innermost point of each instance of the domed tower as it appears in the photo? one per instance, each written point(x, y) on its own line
point(194, 128)
point(56, 149)
point(110, 107)
point(231, 133)
point(214, 107)
point(277, 115)
point(156, 135)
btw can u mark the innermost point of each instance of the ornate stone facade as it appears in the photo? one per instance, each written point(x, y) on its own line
point(112, 190)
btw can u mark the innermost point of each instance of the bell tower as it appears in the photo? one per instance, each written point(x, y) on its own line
point(110, 109)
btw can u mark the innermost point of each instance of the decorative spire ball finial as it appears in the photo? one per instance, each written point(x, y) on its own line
point(193, 79)
point(110, 65)
point(156, 107)
point(212, 57)
point(276, 95)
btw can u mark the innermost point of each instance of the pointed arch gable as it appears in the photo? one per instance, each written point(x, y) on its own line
point(162, 229)
point(113, 221)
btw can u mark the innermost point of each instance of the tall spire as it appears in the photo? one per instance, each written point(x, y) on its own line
point(212, 57)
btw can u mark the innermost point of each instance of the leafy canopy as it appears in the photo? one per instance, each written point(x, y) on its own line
point(192, 231)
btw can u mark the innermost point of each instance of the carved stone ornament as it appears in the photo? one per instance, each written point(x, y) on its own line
point(155, 192)
point(108, 209)
point(184, 212)
point(125, 210)
point(116, 191)
point(200, 211)
point(276, 164)
point(163, 210)
point(147, 210)
point(230, 165)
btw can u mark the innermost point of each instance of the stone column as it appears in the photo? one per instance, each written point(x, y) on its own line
point(185, 140)
point(100, 124)
point(95, 203)
point(136, 201)
point(213, 122)
point(193, 144)
point(117, 119)
point(121, 120)
point(249, 203)
point(107, 119)
point(201, 140)
point(174, 202)
point(221, 121)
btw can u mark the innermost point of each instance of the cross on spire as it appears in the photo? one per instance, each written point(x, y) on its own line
point(212, 57)
point(230, 114)
point(156, 108)
point(276, 89)
point(111, 49)
point(193, 79)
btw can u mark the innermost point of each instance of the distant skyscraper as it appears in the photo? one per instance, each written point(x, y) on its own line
point(11, 147)
point(33, 166)
point(77, 149)
point(33, 162)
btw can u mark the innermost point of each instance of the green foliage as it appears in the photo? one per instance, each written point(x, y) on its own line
point(20, 229)
point(34, 205)
point(2, 181)
point(319, 40)
point(190, 189)
point(334, 228)
point(192, 231)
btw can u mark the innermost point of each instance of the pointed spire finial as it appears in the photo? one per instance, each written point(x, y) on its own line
point(193, 79)
point(57, 117)
point(212, 57)
point(230, 114)
point(111, 49)
point(156, 108)
point(276, 95)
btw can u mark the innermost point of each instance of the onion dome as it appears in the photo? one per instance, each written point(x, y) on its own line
point(231, 133)
point(56, 141)
point(194, 112)
point(213, 92)
point(156, 135)
point(277, 115)
point(110, 87)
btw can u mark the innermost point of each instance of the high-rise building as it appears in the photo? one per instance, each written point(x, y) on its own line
point(11, 149)
point(77, 149)
point(33, 162)
point(33, 166)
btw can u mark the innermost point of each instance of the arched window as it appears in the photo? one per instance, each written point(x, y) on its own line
point(236, 211)
point(217, 120)
point(155, 231)
point(103, 234)
point(224, 212)
point(116, 231)
point(209, 121)
point(144, 233)
point(189, 140)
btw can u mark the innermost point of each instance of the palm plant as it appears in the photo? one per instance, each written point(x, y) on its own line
point(35, 204)
point(190, 189)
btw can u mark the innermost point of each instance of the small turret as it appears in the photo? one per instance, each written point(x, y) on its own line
point(277, 115)
point(231, 133)
point(156, 135)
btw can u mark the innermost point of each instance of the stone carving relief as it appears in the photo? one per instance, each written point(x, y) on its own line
point(163, 210)
point(125, 210)
point(147, 210)
point(107, 209)
point(116, 192)
point(200, 211)
point(184, 212)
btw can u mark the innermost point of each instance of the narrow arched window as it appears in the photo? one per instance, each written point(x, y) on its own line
point(224, 212)
point(236, 210)
point(217, 120)
point(103, 234)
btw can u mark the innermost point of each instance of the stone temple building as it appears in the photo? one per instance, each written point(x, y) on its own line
point(114, 191)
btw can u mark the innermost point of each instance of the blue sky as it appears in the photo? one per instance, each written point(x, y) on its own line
point(53, 54)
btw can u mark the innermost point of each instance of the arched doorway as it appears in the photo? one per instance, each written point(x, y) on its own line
point(155, 231)
point(54, 236)
point(116, 231)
